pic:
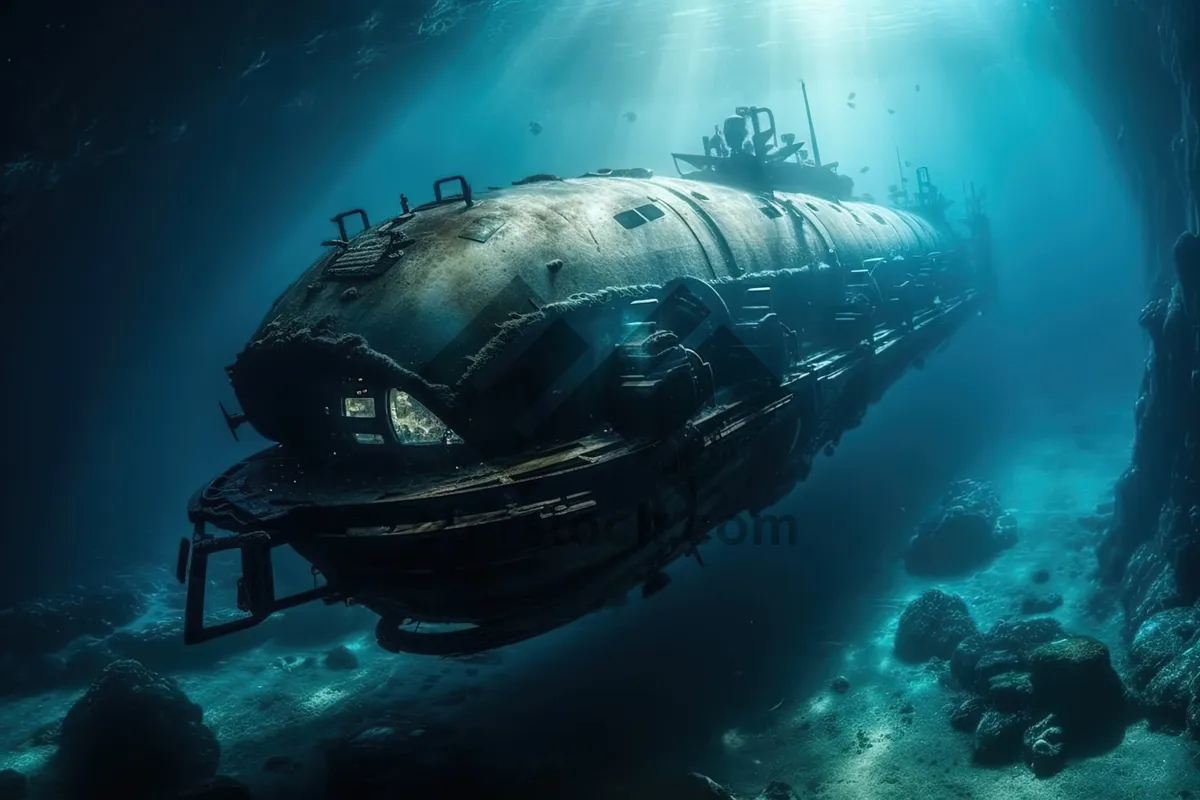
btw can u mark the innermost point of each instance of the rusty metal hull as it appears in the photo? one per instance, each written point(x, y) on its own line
point(797, 313)
point(468, 276)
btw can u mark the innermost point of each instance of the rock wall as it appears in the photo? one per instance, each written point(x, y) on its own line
point(1137, 63)
point(1152, 549)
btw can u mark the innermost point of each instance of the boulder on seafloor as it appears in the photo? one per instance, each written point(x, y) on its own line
point(1161, 639)
point(968, 531)
point(966, 715)
point(134, 734)
point(13, 785)
point(1043, 746)
point(931, 626)
point(998, 737)
point(1074, 679)
point(978, 657)
point(1010, 692)
point(1167, 697)
point(1039, 691)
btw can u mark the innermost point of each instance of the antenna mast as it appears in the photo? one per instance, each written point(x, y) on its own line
point(812, 132)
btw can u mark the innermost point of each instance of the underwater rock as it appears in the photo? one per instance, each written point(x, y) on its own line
point(1074, 678)
point(340, 658)
point(998, 737)
point(1043, 745)
point(1193, 718)
point(1167, 696)
point(159, 644)
point(932, 626)
point(965, 717)
point(1160, 639)
point(1026, 669)
point(1152, 548)
point(1010, 691)
point(992, 663)
point(1002, 649)
point(840, 684)
point(966, 657)
point(970, 529)
point(1149, 586)
point(219, 788)
point(13, 785)
point(1020, 635)
point(1041, 603)
point(134, 734)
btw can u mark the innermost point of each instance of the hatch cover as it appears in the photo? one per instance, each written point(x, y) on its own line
point(482, 229)
point(366, 257)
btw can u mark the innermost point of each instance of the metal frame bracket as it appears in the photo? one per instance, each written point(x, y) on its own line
point(256, 586)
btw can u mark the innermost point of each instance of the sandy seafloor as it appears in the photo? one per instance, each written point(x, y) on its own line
point(886, 738)
point(859, 746)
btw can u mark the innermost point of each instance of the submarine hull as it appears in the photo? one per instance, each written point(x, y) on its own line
point(679, 379)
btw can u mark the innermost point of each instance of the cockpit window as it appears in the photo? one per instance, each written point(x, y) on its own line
point(360, 407)
point(414, 424)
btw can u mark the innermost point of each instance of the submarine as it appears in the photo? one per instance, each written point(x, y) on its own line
point(497, 412)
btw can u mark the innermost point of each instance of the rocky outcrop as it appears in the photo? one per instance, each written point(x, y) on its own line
point(1034, 691)
point(13, 785)
point(1043, 747)
point(970, 529)
point(1073, 678)
point(1160, 640)
point(932, 626)
point(1152, 550)
point(134, 734)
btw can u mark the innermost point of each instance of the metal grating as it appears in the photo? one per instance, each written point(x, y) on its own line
point(366, 257)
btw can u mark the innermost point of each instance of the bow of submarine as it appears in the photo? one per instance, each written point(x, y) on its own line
point(501, 412)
